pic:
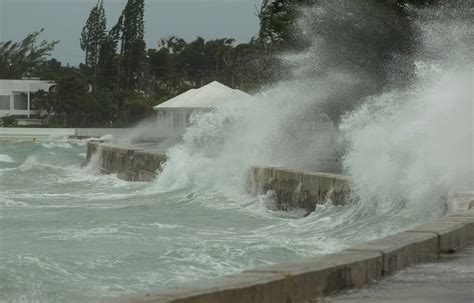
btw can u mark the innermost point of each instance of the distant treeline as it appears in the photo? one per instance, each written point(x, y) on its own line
point(120, 80)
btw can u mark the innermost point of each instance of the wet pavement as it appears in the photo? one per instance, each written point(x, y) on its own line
point(450, 280)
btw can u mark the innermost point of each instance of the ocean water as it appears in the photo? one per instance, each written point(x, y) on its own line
point(71, 235)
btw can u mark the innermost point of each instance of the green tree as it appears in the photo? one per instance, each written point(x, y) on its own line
point(18, 59)
point(109, 61)
point(132, 52)
point(49, 69)
point(92, 38)
point(67, 100)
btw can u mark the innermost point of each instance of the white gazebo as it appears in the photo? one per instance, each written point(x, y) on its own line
point(15, 96)
point(176, 112)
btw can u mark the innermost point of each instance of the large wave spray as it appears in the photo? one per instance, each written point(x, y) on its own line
point(407, 131)
point(415, 146)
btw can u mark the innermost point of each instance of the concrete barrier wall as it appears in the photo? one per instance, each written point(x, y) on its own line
point(312, 278)
point(99, 132)
point(128, 164)
point(298, 189)
point(30, 133)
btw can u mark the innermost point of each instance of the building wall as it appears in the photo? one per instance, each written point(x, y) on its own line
point(174, 119)
point(14, 96)
point(177, 119)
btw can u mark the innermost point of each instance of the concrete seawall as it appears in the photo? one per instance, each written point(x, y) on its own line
point(128, 164)
point(298, 189)
point(289, 188)
point(311, 278)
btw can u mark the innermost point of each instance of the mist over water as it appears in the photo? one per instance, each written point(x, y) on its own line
point(405, 127)
point(72, 235)
point(401, 128)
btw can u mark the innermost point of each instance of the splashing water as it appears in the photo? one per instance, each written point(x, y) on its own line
point(409, 146)
point(72, 235)
point(415, 146)
point(6, 159)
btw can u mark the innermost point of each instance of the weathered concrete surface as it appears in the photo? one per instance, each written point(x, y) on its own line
point(240, 288)
point(451, 234)
point(128, 164)
point(403, 249)
point(467, 218)
point(316, 277)
point(453, 231)
point(298, 189)
point(450, 280)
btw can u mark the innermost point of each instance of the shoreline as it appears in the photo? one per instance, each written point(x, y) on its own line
point(313, 278)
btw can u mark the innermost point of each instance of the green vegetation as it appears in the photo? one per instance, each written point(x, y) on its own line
point(120, 80)
point(23, 58)
point(92, 38)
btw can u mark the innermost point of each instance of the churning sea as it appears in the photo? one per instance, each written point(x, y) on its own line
point(69, 234)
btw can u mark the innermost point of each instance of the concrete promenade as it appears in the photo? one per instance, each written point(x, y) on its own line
point(38, 133)
point(449, 280)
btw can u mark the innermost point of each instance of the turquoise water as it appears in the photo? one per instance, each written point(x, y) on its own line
point(71, 235)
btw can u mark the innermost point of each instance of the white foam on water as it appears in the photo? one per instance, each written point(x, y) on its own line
point(28, 164)
point(5, 202)
point(31, 162)
point(107, 232)
point(57, 145)
point(93, 165)
point(6, 158)
point(165, 226)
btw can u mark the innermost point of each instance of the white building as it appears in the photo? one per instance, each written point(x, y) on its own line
point(175, 113)
point(15, 96)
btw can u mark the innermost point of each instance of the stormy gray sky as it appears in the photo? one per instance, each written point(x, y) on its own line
point(63, 20)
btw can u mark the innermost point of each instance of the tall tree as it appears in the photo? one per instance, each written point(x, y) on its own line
point(23, 58)
point(133, 44)
point(92, 38)
point(109, 61)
